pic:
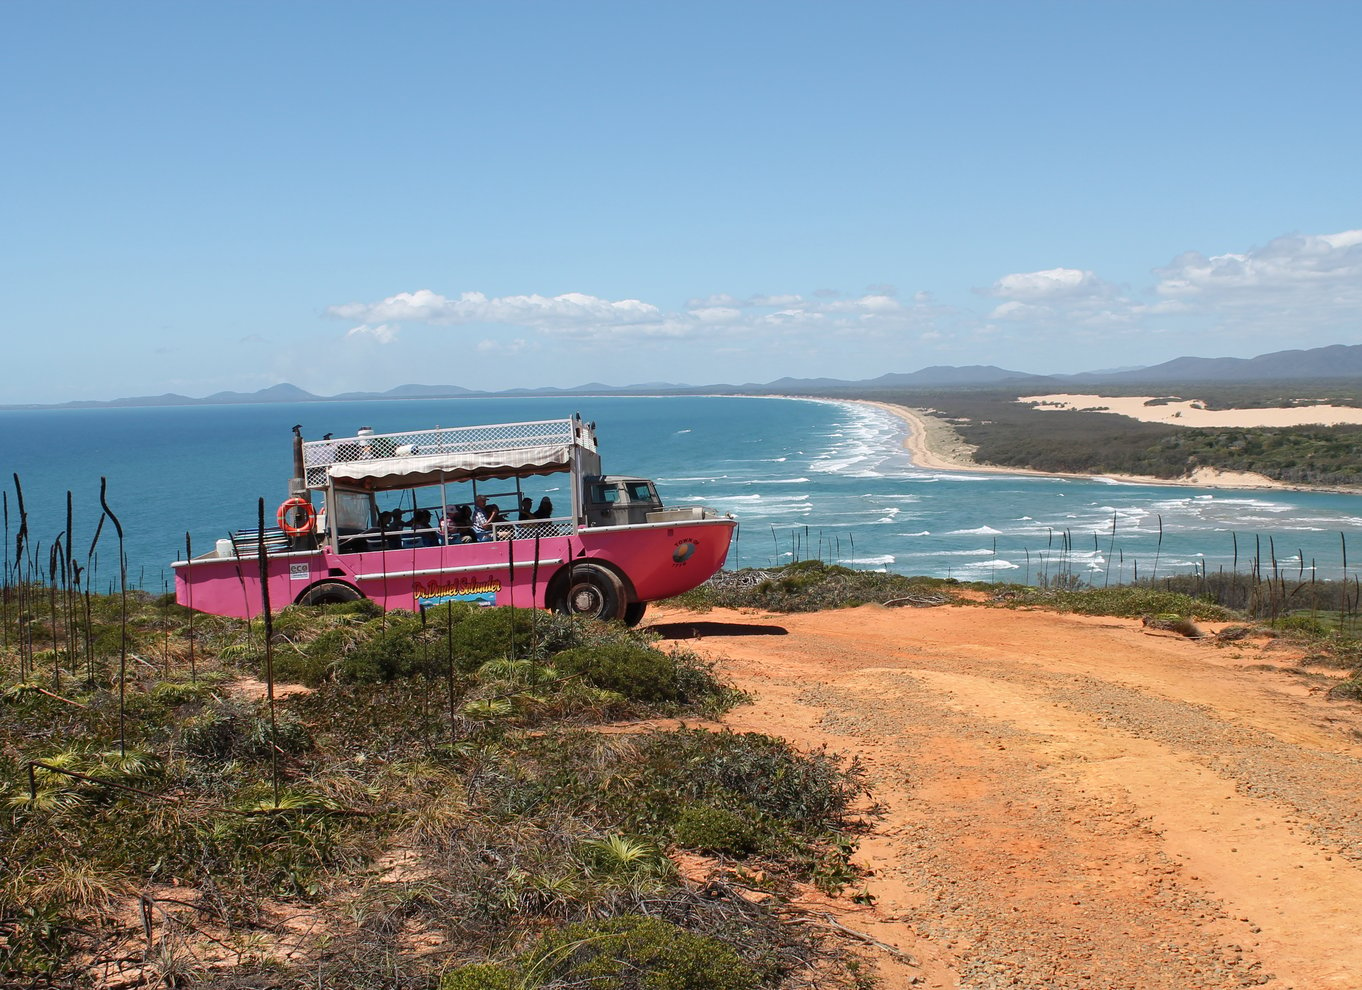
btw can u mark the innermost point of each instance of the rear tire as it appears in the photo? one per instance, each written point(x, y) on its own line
point(593, 590)
point(330, 593)
point(633, 613)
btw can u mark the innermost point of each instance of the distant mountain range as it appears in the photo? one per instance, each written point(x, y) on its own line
point(1335, 361)
point(1338, 361)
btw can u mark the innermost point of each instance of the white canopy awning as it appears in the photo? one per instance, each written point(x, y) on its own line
point(415, 470)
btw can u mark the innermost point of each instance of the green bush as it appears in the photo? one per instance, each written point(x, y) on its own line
point(638, 672)
point(808, 586)
point(1306, 624)
point(389, 648)
point(480, 976)
point(633, 952)
point(1130, 601)
point(809, 790)
point(1349, 690)
point(717, 830)
point(476, 635)
point(645, 783)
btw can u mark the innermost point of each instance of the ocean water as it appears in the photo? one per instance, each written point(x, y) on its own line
point(804, 478)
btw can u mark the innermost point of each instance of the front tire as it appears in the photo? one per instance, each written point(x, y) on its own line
point(633, 613)
point(330, 593)
point(592, 590)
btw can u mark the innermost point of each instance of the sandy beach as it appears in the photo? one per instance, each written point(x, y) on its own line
point(933, 444)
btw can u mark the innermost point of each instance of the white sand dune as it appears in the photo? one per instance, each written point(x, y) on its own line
point(1192, 413)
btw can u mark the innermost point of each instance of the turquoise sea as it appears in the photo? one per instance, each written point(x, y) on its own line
point(804, 478)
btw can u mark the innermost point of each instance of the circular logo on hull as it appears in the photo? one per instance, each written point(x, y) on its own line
point(683, 551)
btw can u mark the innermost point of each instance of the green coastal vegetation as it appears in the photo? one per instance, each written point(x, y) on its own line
point(462, 799)
point(1012, 434)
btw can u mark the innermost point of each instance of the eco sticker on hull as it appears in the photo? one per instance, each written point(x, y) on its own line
point(480, 590)
point(683, 551)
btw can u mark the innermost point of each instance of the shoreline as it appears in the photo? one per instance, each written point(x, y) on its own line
point(933, 445)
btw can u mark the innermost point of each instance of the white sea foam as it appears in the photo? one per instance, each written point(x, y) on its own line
point(981, 552)
point(759, 512)
point(881, 560)
point(988, 565)
point(765, 499)
point(978, 531)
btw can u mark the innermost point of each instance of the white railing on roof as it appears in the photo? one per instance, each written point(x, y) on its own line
point(319, 455)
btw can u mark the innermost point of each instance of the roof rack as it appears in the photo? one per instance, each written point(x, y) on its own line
point(426, 456)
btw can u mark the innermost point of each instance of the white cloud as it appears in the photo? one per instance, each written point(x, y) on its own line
point(517, 345)
point(1300, 286)
point(1319, 262)
point(384, 333)
point(1053, 283)
point(573, 309)
point(716, 314)
point(1013, 310)
point(584, 317)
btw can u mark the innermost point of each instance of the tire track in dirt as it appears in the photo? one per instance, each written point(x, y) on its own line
point(1069, 802)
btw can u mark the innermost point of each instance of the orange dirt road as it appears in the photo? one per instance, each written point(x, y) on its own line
point(1069, 801)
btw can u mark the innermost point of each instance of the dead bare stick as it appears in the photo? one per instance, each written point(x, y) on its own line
point(831, 922)
point(59, 697)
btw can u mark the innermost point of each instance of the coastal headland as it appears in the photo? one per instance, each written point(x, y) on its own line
point(935, 445)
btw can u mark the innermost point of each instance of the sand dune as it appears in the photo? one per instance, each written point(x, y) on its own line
point(1191, 412)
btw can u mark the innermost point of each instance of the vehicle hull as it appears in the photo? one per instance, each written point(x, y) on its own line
point(653, 561)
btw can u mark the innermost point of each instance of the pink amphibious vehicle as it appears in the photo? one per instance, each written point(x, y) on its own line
point(396, 525)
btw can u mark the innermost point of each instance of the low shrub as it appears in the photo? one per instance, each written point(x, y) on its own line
point(633, 670)
point(1130, 601)
point(389, 648)
point(808, 586)
point(1349, 690)
point(634, 952)
point(717, 830)
point(644, 784)
point(1307, 625)
point(643, 673)
point(482, 976)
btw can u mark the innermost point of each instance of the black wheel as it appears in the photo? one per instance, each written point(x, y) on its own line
point(633, 613)
point(592, 590)
point(329, 593)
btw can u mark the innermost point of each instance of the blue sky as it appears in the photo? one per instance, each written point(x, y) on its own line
point(355, 196)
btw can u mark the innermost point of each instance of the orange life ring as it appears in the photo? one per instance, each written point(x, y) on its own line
point(309, 516)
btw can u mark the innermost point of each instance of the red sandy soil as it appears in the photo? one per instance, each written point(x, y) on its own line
point(1069, 801)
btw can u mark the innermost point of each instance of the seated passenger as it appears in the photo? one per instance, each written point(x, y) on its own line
point(481, 523)
point(545, 509)
point(458, 524)
point(424, 529)
point(526, 509)
point(494, 527)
